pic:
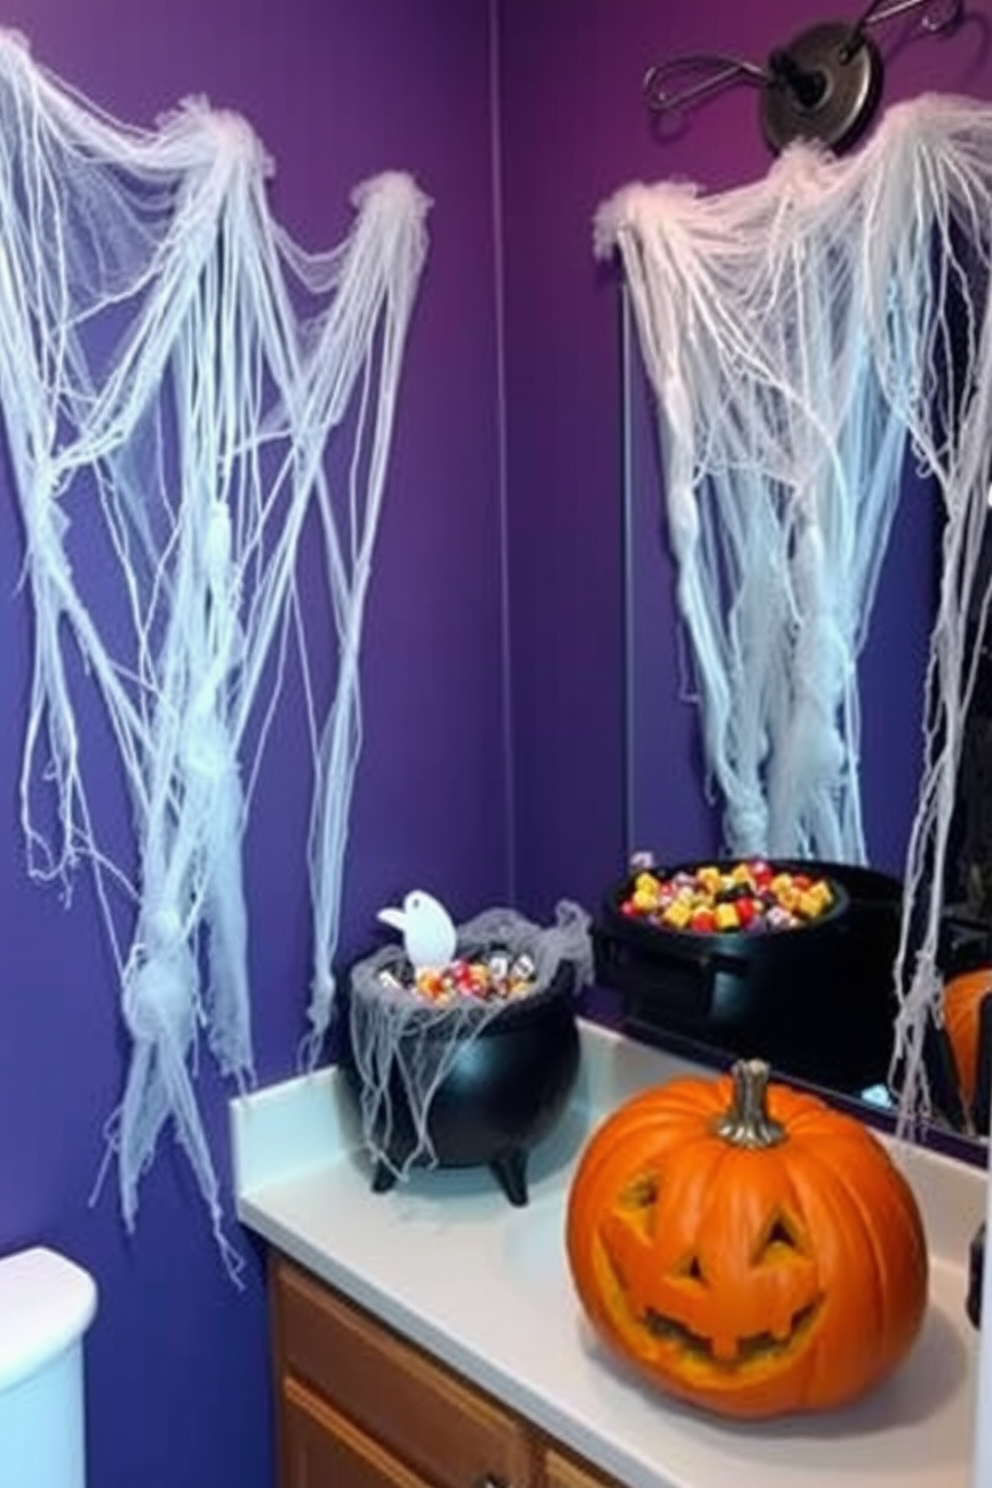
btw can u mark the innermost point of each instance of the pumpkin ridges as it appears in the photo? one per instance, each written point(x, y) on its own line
point(826, 1358)
point(648, 1134)
point(892, 1225)
point(962, 1001)
point(901, 1269)
point(855, 1355)
point(650, 1129)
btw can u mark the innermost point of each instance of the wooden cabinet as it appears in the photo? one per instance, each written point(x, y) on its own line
point(323, 1449)
point(564, 1472)
point(360, 1407)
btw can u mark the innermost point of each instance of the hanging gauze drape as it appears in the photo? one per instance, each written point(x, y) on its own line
point(800, 334)
point(182, 388)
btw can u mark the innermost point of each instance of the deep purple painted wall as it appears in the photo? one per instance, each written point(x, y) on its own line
point(337, 90)
point(575, 129)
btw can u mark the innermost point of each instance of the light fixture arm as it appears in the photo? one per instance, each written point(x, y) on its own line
point(825, 85)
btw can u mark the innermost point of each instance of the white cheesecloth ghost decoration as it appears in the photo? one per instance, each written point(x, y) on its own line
point(172, 368)
point(800, 333)
point(429, 934)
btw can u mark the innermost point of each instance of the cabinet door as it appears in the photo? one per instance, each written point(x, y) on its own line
point(322, 1449)
point(419, 1411)
point(565, 1472)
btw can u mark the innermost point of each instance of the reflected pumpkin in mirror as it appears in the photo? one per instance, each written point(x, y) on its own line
point(747, 1248)
point(962, 1008)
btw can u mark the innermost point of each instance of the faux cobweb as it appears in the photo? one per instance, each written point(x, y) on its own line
point(802, 334)
point(175, 374)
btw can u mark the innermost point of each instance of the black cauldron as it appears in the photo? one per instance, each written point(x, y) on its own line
point(816, 1000)
point(503, 1092)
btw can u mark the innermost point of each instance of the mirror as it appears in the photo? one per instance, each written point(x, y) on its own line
point(671, 815)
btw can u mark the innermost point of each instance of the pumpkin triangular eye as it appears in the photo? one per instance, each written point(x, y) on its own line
point(782, 1235)
point(690, 1268)
point(635, 1205)
point(640, 1193)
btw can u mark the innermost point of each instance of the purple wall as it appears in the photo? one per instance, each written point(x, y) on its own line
point(575, 130)
point(177, 1360)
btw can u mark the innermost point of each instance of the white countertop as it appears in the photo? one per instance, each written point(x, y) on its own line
point(448, 1262)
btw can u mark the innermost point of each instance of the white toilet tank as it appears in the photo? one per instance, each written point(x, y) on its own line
point(46, 1305)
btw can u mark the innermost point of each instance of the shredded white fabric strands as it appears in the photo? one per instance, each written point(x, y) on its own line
point(801, 334)
point(174, 371)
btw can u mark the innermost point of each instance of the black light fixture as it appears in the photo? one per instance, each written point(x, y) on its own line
point(824, 85)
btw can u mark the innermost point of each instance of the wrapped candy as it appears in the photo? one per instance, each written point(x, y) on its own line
point(750, 896)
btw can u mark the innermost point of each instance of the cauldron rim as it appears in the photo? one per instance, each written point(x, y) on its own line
point(511, 1013)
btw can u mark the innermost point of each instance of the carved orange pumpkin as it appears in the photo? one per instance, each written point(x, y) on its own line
point(963, 998)
point(748, 1248)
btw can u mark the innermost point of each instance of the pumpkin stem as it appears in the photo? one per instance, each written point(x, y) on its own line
point(747, 1122)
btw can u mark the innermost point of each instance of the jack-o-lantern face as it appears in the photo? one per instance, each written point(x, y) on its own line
point(754, 1260)
point(677, 1286)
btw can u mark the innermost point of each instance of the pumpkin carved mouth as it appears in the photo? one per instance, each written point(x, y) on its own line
point(753, 1348)
point(686, 1308)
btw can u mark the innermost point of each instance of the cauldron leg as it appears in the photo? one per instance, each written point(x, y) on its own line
point(510, 1168)
point(383, 1178)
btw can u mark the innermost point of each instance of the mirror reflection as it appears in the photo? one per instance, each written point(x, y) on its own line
point(822, 1011)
